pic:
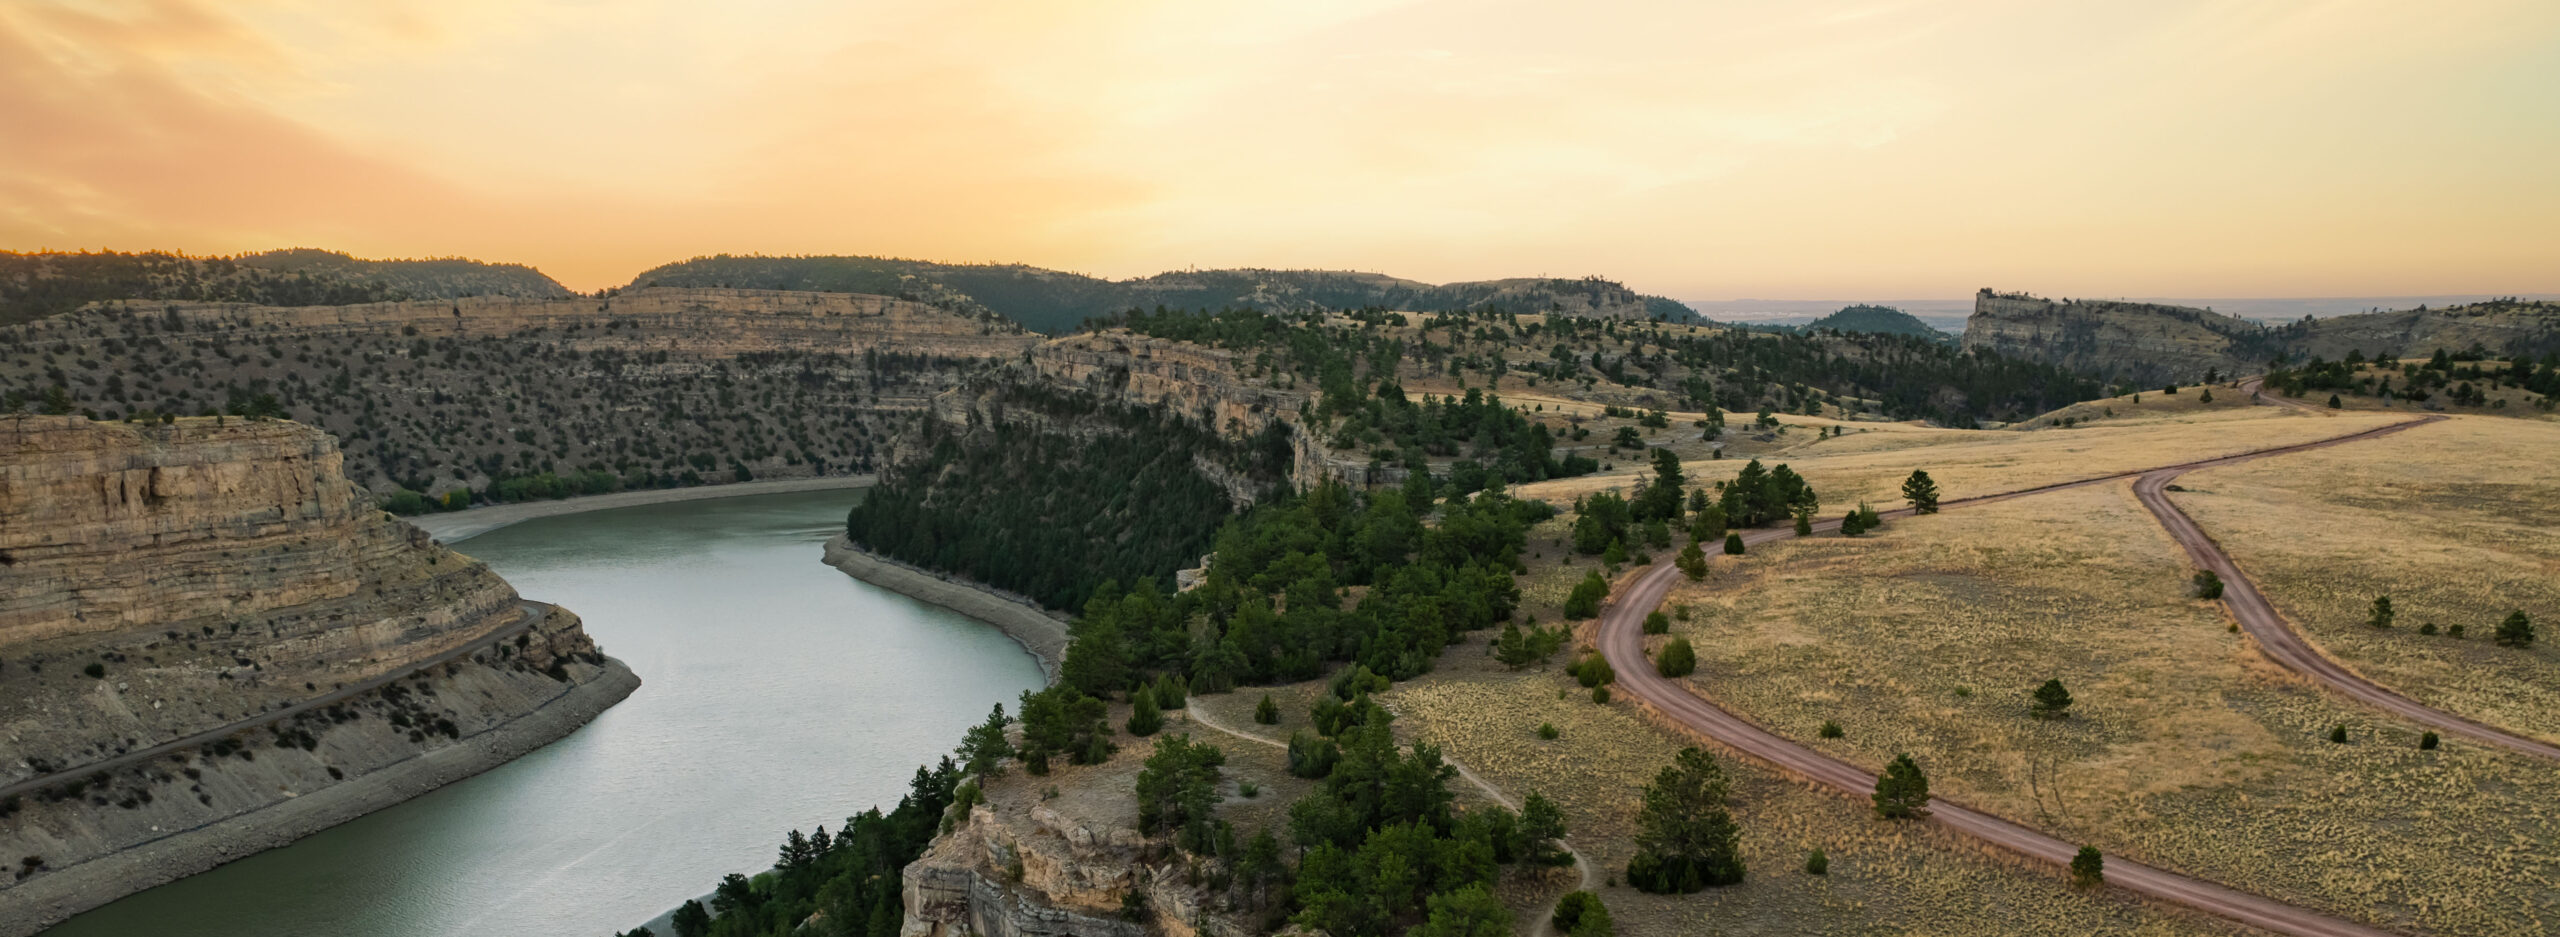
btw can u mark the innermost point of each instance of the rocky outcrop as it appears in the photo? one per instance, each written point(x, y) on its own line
point(2150, 343)
point(646, 388)
point(214, 644)
point(1048, 875)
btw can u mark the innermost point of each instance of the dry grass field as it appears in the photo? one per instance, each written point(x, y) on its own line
point(1870, 462)
point(2184, 749)
point(1885, 878)
point(2457, 522)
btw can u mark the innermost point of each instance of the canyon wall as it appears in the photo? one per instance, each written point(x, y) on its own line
point(652, 387)
point(212, 643)
point(2144, 344)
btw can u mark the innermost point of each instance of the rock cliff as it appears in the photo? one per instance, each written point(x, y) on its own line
point(646, 388)
point(1044, 872)
point(212, 643)
point(2150, 343)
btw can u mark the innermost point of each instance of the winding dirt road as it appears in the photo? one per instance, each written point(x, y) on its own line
point(1621, 641)
point(528, 612)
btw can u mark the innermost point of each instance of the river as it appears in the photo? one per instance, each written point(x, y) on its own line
point(778, 694)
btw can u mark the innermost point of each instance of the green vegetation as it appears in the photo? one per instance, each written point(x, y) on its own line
point(2088, 868)
point(36, 285)
point(1580, 914)
point(2382, 614)
point(1921, 491)
point(1517, 648)
point(1177, 789)
point(2051, 700)
point(1881, 320)
point(2207, 585)
point(1815, 863)
point(1686, 840)
point(2515, 631)
point(1677, 659)
point(1903, 792)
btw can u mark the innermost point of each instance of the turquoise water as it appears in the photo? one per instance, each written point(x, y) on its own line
point(778, 694)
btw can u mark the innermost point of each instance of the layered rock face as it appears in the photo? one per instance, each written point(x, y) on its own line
point(2147, 343)
point(1049, 875)
point(204, 626)
point(650, 387)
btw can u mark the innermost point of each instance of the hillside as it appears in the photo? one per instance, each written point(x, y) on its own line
point(1878, 320)
point(519, 398)
point(1055, 302)
point(35, 285)
point(2142, 344)
point(214, 644)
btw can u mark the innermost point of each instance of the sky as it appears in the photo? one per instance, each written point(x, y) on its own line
point(1700, 149)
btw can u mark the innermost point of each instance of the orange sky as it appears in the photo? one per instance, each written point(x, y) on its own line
point(1696, 149)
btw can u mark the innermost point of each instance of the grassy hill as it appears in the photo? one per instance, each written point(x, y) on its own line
point(1054, 301)
point(1878, 320)
point(39, 284)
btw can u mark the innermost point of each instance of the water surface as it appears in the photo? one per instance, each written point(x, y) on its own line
point(778, 694)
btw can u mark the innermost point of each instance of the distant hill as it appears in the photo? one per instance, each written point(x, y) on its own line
point(2146, 343)
point(36, 285)
point(1880, 320)
point(1055, 302)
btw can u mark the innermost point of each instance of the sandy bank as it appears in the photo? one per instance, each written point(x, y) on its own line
point(463, 525)
point(1043, 634)
point(49, 899)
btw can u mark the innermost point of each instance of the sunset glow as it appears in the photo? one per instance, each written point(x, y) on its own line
point(1698, 150)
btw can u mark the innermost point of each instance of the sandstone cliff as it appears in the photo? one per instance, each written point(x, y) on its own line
point(213, 643)
point(2150, 343)
point(646, 388)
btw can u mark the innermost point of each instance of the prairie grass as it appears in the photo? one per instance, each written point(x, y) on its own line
point(2183, 749)
point(2456, 522)
point(1885, 878)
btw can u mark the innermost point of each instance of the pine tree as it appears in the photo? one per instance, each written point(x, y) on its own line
point(1144, 717)
point(2428, 741)
point(1733, 544)
point(2052, 701)
point(1921, 491)
point(2208, 585)
point(1584, 602)
point(1849, 525)
point(2207, 397)
point(1678, 659)
point(983, 748)
point(1903, 792)
point(1692, 562)
point(2088, 868)
point(2382, 614)
point(1804, 523)
point(2338, 734)
point(2516, 631)
point(1686, 840)
point(1267, 712)
point(1815, 863)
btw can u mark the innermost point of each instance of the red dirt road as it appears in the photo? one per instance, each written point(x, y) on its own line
point(1621, 641)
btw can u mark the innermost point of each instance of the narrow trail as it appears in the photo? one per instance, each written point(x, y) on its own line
point(1546, 918)
point(1621, 640)
point(528, 612)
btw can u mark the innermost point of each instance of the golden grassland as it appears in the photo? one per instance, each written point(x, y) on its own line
point(2184, 749)
point(1885, 878)
point(2457, 522)
point(1872, 465)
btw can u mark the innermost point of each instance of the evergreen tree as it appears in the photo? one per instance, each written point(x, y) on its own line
point(1686, 840)
point(984, 748)
point(1903, 792)
point(1144, 716)
point(692, 920)
point(1709, 522)
point(2516, 631)
point(1471, 911)
point(1804, 523)
point(1815, 863)
point(1692, 562)
point(2382, 614)
point(2338, 734)
point(1677, 659)
point(1267, 712)
point(2088, 868)
point(1541, 824)
point(2428, 741)
point(1733, 544)
point(1584, 602)
point(1921, 491)
point(2052, 701)
point(1177, 789)
point(1580, 914)
point(2333, 401)
point(1657, 623)
point(2208, 585)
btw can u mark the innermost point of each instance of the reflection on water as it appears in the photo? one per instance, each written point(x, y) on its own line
point(778, 694)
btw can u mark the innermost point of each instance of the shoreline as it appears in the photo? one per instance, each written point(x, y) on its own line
point(1038, 631)
point(463, 525)
point(57, 897)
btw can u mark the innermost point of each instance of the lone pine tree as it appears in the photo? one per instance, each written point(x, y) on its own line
point(1903, 792)
point(2052, 701)
point(1921, 491)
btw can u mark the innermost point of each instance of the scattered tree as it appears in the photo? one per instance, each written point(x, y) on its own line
point(1829, 730)
point(1692, 562)
point(1733, 544)
point(2382, 614)
point(2088, 868)
point(1584, 602)
point(2208, 585)
point(983, 748)
point(2052, 701)
point(2338, 734)
point(1580, 914)
point(1921, 491)
point(1677, 659)
point(1144, 716)
point(1177, 789)
point(2516, 631)
point(1266, 712)
point(1903, 792)
point(1657, 623)
point(1815, 863)
point(1686, 840)
point(2428, 741)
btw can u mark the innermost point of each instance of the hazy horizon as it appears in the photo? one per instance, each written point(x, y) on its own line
point(2174, 149)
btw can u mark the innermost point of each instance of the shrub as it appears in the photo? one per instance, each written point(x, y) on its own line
point(1312, 755)
point(2428, 628)
point(1829, 730)
point(1584, 603)
point(1144, 717)
point(2208, 585)
point(2088, 868)
point(2338, 734)
point(1815, 863)
point(1580, 914)
point(1657, 623)
point(1547, 731)
point(1593, 670)
point(1266, 712)
point(2428, 742)
point(1600, 695)
point(1677, 659)
point(2382, 613)
point(96, 671)
point(2516, 631)
point(2453, 631)
point(1733, 544)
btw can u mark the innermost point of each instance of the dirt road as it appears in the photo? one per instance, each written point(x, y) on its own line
point(1621, 640)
